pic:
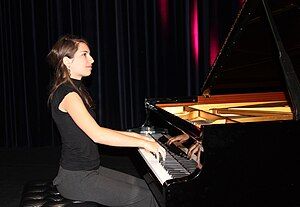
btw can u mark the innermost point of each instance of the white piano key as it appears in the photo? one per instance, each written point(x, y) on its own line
point(159, 171)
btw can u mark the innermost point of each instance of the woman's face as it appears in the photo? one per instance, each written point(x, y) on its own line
point(81, 64)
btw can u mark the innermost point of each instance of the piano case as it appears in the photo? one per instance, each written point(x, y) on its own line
point(246, 122)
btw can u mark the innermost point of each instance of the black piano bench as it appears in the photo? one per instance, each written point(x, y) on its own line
point(44, 193)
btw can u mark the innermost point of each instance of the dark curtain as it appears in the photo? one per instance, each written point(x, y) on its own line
point(141, 48)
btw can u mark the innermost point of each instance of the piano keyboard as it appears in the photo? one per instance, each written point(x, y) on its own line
point(176, 164)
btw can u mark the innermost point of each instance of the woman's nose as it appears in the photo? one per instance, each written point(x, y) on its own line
point(91, 59)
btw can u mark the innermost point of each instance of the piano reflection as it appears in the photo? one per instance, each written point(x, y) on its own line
point(238, 143)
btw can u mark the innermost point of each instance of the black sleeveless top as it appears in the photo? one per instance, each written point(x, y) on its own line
point(79, 152)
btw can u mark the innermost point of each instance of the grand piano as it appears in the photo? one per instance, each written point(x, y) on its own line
point(238, 143)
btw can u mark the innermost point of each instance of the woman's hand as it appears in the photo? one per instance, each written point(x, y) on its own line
point(149, 144)
point(180, 139)
point(158, 151)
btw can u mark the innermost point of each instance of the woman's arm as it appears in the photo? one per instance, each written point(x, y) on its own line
point(136, 135)
point(74, 106)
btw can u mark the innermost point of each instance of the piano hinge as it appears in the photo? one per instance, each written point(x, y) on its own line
point(206, 93)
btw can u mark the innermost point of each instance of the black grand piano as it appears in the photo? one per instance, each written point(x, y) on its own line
point(238, 144)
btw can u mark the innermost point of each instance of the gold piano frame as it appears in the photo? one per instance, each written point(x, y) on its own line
point(232, 108)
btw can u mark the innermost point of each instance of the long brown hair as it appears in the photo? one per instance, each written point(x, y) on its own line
point(66, 46)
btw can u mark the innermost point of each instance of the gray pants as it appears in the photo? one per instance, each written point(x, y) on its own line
point(104, 186)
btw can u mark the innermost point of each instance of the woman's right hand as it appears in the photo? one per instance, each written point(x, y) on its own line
point(158, 151)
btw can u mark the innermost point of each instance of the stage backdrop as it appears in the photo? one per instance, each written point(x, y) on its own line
point(142, 49)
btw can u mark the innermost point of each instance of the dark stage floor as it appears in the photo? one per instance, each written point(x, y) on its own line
point(18, 166)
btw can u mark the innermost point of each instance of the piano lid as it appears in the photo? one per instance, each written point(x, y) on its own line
point(249, 59)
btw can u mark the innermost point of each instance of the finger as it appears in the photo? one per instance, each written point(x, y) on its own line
point(171, 140)
point(163, 154)
point(190, 150)
point(194, 149)
point(157, 155)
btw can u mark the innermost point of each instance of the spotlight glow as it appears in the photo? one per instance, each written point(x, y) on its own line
point(214, 45)
point(163, 8)
point(241, 2)
point(194, 32)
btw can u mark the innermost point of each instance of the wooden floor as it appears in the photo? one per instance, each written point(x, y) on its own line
point(18, 166)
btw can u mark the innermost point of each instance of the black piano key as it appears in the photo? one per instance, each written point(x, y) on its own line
point(174, 168)
point(177, 164)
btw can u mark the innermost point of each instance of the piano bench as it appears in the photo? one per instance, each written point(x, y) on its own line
point(44, 193)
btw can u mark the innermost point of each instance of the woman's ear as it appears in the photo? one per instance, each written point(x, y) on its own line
point(67, 61)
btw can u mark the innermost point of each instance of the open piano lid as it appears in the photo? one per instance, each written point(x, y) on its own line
point(249, 58)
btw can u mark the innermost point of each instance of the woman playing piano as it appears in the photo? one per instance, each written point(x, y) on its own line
point(80, 176)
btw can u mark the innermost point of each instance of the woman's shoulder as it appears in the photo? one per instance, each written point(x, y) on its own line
point(63, 88)
point(62, 91)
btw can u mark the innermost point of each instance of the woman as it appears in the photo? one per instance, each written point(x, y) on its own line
point(80, 176)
